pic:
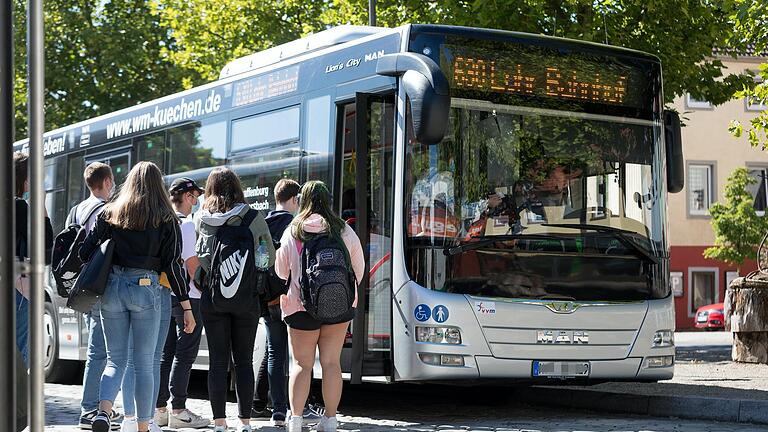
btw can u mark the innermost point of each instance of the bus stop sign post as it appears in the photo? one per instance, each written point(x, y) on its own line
point(7, 250)
point(36, 86)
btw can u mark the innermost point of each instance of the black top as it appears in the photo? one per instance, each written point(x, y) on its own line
point(157, 249)
point(278, 221)
point(22, 215)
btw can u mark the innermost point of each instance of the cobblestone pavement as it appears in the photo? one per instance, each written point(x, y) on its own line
point(427, 408)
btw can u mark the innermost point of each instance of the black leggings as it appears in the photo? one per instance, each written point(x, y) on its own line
point(229, 333)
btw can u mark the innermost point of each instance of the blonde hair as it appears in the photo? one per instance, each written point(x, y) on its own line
point(142, 202)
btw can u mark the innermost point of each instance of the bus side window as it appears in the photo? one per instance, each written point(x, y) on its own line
point(55, 191)
point(151, 148)
point(197, 147)
point(317, 158)
point(75, 182)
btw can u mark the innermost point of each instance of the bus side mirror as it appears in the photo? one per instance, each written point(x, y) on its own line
point(427, 89)
point(674, 149)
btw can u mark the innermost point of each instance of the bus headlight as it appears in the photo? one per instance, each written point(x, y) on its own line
point(438, 335)
point(659, 362)
point(663, 338)
point(442, 359)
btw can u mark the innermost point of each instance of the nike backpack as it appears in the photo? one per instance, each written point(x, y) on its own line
point(65, 264)
point(327, 282)
point(233, 279)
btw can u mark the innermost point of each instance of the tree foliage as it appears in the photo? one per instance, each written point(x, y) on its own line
point(100, 56)
point(737, 226)
point(209, 34)
point(751, 33)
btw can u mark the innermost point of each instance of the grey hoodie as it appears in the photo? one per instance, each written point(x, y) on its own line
point(207, 224)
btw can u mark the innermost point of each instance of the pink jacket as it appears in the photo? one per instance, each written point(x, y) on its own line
point(288, 261)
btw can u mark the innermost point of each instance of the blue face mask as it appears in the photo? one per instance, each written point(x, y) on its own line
point(196, 206)
point(25, 196)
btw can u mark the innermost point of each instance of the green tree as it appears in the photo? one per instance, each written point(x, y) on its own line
point(100, 56)
point(751, 33)
point(209, 34)
point(738, 229)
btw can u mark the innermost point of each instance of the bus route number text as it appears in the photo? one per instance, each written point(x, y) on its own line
point(482, 74)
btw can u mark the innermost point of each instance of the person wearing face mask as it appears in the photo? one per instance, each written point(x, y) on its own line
point(101, 184)
point(21, 192)
point(181, 348)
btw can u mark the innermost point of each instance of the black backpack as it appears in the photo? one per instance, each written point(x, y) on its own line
point(233, 279)
point(65, 264)
point(327, 282)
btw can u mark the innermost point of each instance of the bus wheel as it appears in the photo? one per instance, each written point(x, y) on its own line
point(56, 370)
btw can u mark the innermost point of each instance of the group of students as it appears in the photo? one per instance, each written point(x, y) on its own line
point(145, 330)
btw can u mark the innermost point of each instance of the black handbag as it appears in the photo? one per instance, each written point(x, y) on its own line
point(92, 281)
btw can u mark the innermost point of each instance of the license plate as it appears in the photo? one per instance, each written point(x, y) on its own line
point(560, 369)
point(702, 318)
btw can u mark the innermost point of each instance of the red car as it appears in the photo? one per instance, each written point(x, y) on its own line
point(710, 317)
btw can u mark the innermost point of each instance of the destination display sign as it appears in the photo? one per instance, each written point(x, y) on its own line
point(535, 71)
point(266, 86)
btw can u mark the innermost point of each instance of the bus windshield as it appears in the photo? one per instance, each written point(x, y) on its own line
point(536, 203)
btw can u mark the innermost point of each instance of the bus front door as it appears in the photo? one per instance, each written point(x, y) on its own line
point(365, 141)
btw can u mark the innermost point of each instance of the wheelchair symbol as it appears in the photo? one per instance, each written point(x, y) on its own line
point(422, 313)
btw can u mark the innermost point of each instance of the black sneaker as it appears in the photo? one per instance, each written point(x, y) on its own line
point(102, 422)
point(86, 420)
point(261, 413)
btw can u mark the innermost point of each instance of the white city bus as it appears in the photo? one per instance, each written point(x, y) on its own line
point(510, 191)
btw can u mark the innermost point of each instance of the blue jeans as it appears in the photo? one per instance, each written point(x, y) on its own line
point(277, 354)
point(22, 327)
point(179, 354)
point(130, 311)
point(129, 381)
point(95, 362)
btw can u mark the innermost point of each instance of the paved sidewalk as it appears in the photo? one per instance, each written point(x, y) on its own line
point(414, 410)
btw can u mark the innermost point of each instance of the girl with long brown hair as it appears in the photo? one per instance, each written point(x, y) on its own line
point(147, 241)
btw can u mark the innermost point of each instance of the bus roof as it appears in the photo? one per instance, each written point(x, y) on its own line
point(324, 39)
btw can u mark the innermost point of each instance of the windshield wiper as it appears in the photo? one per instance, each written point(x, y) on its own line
point(618, 233)
point(483, 241)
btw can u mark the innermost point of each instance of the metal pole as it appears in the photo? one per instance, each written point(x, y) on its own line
point(36, 69)
point(7, 249)
point(371, 12)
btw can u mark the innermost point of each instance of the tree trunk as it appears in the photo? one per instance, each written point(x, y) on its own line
point(746, 315)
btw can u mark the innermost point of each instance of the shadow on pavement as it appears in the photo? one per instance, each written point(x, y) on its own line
point(703, 354)
point(67, 411)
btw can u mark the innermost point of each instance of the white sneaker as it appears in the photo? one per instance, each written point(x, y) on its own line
point(244, 428)
point(161, 417)
point(153, 427)
point(129, 425)
point(220, 429)
point(327, 424)
point(187, 419)
point(294, 424)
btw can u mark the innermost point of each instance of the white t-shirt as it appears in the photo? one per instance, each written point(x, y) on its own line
point(82, 211)
point(188, 239)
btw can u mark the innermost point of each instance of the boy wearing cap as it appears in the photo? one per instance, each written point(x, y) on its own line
point(181, 348)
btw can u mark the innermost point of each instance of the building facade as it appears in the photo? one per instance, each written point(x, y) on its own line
point(711, 154)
